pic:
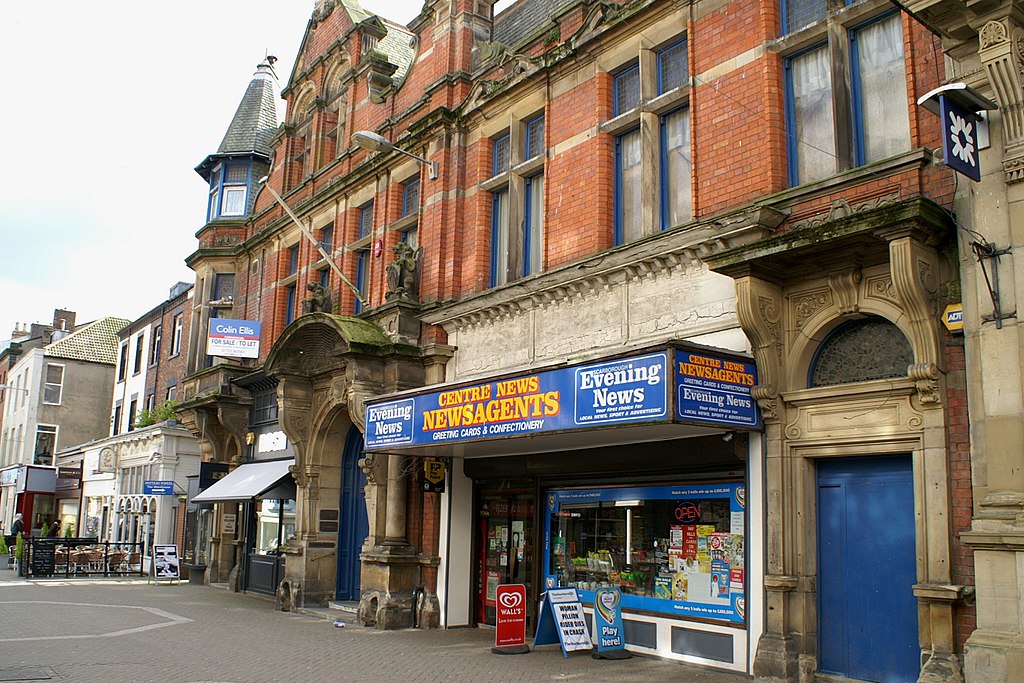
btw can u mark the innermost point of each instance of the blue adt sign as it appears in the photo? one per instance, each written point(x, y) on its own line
point(960, 138)
point(158, 488)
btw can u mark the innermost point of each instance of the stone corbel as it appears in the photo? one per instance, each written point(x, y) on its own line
point(926, 378)
point(1001, 46)
point(759, 309)
point(846, 287)
point(914, 268)
point(295, 401)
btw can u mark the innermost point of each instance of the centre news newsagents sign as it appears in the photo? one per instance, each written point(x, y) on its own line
point(629, 390)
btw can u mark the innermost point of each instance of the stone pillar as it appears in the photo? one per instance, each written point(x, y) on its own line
point(394, 534)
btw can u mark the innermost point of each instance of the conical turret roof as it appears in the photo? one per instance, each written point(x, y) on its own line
point(255, 121)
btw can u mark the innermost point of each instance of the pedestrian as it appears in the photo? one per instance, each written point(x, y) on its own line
point(54, 529)
point(17, 527)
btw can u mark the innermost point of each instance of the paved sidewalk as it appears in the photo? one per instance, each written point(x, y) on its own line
point(112, 630)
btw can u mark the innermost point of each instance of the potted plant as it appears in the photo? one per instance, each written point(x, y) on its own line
point(19, 550)
point(4, 550)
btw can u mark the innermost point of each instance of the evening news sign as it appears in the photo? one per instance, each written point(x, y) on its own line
point(634, 389)
point(233, 338)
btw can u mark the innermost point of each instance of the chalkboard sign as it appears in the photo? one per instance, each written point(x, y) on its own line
point(43, 557)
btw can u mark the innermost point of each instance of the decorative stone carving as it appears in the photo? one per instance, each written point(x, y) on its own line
point(806, 305)
point(841, 208)
point(912, 267)
point(759, 309)
point(403, 273)
point(319, 299)
point(926, 378)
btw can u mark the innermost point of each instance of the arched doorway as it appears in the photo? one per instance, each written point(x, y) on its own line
point(354, 523)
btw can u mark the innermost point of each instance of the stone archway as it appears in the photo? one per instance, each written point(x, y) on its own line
point(326, 367)
point(793, 289)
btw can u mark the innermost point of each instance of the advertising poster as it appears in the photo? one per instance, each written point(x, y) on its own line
point(510, 630)
point(165, 562)
point(562, 620)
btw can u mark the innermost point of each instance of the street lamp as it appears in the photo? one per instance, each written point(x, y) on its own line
point(376, 143)
point(12, 388)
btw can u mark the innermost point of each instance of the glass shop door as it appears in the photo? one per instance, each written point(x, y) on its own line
point(504, 549)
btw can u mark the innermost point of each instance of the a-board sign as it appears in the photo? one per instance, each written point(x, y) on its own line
point(165, 562)
point(510, 628)
point(610, 636)
point(561, 620)
point(43, 557)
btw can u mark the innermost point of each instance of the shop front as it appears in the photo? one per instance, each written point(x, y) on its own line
point(256, 503)
point(638, 472)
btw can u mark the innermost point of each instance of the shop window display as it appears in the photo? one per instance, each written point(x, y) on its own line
point(670, 549)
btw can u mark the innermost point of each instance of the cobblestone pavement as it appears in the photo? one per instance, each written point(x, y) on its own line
point(129, 630)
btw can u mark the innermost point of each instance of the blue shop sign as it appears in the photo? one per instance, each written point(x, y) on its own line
point(625, 390)
point(707, 389)
point(158, 488)
point(715, 390)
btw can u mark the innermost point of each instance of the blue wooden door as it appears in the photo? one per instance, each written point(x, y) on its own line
point(867, 612)
point(354, 524)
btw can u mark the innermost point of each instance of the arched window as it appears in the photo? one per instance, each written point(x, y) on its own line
point(859, 351)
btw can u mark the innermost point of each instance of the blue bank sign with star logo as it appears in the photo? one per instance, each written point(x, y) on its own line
point(960, 138)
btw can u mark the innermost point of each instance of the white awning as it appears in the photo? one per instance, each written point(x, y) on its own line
point(246, 482)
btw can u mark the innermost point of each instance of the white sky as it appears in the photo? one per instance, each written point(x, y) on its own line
point(108, 106)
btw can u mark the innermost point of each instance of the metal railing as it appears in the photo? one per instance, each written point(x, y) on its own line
point(75, 557)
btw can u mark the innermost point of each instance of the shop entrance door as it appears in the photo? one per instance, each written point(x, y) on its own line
point(354, 524)
point(504, 549)
point(867, 612)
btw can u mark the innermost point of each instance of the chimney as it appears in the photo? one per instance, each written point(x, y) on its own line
point(20, 332)
point(63, 320)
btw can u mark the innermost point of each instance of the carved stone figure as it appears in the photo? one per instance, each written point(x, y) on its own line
point(319, 299)
point(403, 273)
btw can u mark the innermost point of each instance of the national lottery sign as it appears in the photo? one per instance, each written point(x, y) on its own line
point(233, 338)
point(621, 391)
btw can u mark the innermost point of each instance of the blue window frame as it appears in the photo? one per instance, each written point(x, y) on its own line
point(534, 142)
point(229, 184)
point(876, 100)
point(797, 14)
point(881, 116)
point(410, 197)
point(293, 259)
point(289, 311)
point(362, 258)
point(365, 220)
point(627, 187)
point(673, 67)
point(627, 90)
point(499, 236)
point(325, 278)
point(676, 168)
point(327, 239)
point(533, 224)
point(502, 154)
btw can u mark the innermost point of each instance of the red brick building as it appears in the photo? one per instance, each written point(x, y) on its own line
point(650, 196)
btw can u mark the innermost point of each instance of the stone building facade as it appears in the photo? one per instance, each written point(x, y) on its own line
point(609, 185)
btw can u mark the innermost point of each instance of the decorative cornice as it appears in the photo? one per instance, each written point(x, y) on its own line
point(656, 256)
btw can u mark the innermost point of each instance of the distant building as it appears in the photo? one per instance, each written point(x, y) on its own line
point(118, 500)
point(59, 391)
